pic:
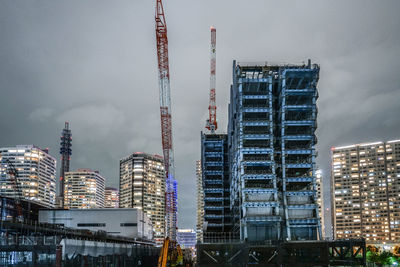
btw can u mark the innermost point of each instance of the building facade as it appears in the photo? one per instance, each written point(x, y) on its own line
point(215, 182)
point(111, 198)
point(320, 200)
point(186, 238)
point(366, 191)
point(142, 186)
point(130, 223)
point(200, 203)
point(271, 126)
point(84, 189)
point(36, 174)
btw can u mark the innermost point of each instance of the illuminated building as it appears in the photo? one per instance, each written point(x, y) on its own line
point(366, 191)
point(215, 181)
point(142, 186)
point(200, 203)
point(320, 200)
point(186, 238)
point(36, 174)
point(271, 140)
point(84, 189)
point(111, 198)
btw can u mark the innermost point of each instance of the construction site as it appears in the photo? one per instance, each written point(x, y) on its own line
point(266, 165)
point(272, 141)
point(257, 179)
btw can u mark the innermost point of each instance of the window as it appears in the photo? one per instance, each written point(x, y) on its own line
point(91, 224)
point(128, 224)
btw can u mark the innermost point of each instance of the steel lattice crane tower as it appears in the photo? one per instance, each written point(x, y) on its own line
point(13, 174)
point(166, 128)
point(65, 151)
point(211, 123)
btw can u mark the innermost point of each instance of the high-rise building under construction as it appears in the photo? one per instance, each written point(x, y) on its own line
point(272, 121)
point(215, 182)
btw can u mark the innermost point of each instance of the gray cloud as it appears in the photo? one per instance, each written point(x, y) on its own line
point(93, 63)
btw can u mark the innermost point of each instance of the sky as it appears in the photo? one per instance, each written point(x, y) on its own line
point(94, 64)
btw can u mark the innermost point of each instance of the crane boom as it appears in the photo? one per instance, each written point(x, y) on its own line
point(166, 127)
point(211, 123)
point(13, 174)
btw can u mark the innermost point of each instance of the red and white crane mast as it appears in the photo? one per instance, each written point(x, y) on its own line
point(211, 123)
point(166, 128)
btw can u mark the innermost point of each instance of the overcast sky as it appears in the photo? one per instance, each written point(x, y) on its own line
point(94, 64)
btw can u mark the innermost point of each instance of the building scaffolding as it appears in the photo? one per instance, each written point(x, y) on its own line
point(215, 185)
point(272, 120)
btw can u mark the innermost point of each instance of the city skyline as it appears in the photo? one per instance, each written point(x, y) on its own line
point(99, 74)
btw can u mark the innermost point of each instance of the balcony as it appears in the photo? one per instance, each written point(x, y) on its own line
point(255, 109)
point(256, 123)
point(212, 172)
point(299, 200)
point(258, 172)
point(302, 179)
point(299, 165)
point(298, 107)
point(256, 143)
point(298, 137)
point(268, 176)
point(255, 103)
point(264, 96)
point(306, 91)
point(256, 130)
point(299, 152)
point(257, 136)
point(256, 116)
point(255, 204)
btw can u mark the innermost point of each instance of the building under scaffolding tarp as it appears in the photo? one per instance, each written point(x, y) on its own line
point(272, 121)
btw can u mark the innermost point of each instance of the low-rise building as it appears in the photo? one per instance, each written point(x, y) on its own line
point(131, 223)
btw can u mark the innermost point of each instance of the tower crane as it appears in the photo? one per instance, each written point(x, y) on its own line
point(13, 174)
point(166, 128)
point(211, 123)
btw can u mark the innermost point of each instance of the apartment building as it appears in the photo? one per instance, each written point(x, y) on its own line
point(142, 186)
point(36, 179)
point(84, 189)
point(111, 198)
point(366, 191)
point(200, 203)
